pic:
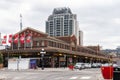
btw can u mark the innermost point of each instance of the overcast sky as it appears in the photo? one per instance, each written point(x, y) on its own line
point(98, 19)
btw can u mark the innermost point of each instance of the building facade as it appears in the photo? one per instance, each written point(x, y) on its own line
point(115, 51)
point(62, 22)
point(60, 51)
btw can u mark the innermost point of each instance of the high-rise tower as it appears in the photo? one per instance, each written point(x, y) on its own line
point(62, 22)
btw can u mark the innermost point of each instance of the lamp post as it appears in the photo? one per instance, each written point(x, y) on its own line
point(42, 52)
point(65, 60)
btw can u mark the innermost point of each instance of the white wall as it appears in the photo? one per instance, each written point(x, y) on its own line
point(16, 63)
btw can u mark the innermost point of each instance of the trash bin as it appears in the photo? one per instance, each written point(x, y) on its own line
point(116, 73)
point(107, 72)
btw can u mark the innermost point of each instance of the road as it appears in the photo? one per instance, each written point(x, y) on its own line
point(52, 74)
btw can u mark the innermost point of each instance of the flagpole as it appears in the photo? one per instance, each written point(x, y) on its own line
point(31, 40)
point(20, 30)
point(24, 41)
point(12, 45)
point(12, 42)
point(21, 22)
point(18, 42)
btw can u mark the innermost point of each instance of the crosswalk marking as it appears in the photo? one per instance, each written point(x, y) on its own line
point(73, 77)
point(87, 77)
point(84, 77)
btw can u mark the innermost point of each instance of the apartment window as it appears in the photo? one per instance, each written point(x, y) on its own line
point(66, 16)
point(71, 16)
point(50, 43)
point(71, 26)
point(47, 27)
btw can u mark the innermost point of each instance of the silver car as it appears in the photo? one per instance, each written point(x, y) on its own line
point(79, 66)
point(87, 65)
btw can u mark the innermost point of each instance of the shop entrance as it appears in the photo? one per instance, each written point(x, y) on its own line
point(47, 62)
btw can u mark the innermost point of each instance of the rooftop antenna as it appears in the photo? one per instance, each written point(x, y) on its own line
point(21, 22)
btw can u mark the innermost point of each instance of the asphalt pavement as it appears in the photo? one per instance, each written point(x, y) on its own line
point(51, 74)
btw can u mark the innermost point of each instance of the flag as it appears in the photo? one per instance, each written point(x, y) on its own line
point(22, 39)
point(28, 38)
point(10, 38)
point(4, 39)
point(16, 38)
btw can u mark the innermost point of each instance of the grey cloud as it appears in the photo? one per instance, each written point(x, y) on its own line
point(13, 1)
point(8, 4)
point(98, 16)
point(10, 26)
point(41, 9)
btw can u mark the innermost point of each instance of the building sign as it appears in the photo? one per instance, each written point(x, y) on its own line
point(61, 59)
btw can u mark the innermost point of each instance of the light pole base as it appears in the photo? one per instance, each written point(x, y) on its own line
point(42, 68)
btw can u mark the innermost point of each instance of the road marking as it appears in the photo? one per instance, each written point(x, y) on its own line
point(59, 78)
point(15, 78)
point(86, 77)
point(30, 77)
point(73, 77)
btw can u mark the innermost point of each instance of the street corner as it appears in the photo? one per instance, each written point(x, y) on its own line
point(100, 77)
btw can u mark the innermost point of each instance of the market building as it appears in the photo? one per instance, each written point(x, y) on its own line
point(60, 51)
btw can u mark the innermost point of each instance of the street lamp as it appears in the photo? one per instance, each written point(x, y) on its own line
point(42, 52)
point(65, 60)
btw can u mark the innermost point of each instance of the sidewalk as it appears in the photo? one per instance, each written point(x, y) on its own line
point(54, 69)
point(39, 69)
point(100, 77)
point(2, 77)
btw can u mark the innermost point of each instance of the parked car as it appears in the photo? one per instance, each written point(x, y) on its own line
point(87, 65)
point(99, 65)
point(79, 66)
point(115, 65)
point(94, 65)
point(110, 64)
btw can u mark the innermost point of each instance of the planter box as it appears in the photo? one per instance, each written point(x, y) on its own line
point(71, 67)
point(1, 66)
